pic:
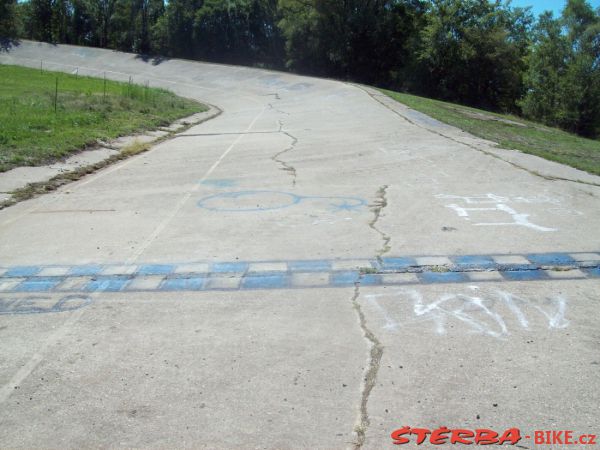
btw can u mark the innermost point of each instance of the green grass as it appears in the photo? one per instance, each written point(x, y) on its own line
point(529, 137)
point(33, 133)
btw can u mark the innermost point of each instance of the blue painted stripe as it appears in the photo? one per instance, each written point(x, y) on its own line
point(462, 264)
point(551, 259)
point(156, 269)
point(397, 263)
point(229, 267)
point(86, 270)
point(474, 261)
point(184, 284)
point(272, 281)
point(22, 271)
point(41, 284)
point(345, 278)
point(107, 284)
point(310, 266)
point(442, 277)
point(370, 279)
point(524, 275)
point(594, 272)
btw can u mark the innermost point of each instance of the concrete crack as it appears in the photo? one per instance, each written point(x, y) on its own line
point(377, 207)
point(276, 95)
point(375, 354)
point(285, 166)
point(277, 109)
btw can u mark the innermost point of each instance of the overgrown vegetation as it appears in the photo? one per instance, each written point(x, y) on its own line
point(482, 53)
point(47, 115)
point(512, 132)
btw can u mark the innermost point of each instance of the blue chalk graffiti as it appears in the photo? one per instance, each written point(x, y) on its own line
point(223, 183)
point(253, 201)
point(42, 304)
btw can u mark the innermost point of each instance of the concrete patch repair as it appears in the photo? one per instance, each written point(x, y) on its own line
point(186, 297)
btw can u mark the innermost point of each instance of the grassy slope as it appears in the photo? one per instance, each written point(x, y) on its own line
point(533, 138)
point(31, 133)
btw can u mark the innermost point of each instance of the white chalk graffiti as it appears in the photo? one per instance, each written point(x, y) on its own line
point(488, 314)
point(492, 202)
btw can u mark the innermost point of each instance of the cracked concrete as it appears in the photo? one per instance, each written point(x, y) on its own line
point(370, 374)
point(377, 208)
point(286, 166)
point(279, 368)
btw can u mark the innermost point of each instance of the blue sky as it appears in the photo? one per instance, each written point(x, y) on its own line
point(539, 6)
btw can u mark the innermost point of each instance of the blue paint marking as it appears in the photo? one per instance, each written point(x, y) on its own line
point(265, 282)
point(22, 271)
point(397, 263)
point(345, 278)
point(156, 269)
point(229, 267)
point(345, 203)
point(86, 270)
point(254, 197)
point(220, 183)
point(549, 259)
point(107, 284)
point(184, 284)
point(474, 261)
point(41, 284)
point(309, 266)
point(442, 277)
point(244, 201)
point(278, 279)
point(42, 304)
point(370, 279)
point(524, 275)
point(298, 86)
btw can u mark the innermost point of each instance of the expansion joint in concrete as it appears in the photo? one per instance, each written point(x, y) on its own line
point(370, 376)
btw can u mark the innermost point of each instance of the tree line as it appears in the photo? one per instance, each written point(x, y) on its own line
point(476, 52)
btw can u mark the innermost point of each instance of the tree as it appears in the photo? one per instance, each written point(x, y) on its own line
point(473, 52)
point(8, 19)
point(369, 41)
point(174, 31)
point(547, 68)
point(238, 31)
point(39, 23)
point(563, 78)
point(60, 11)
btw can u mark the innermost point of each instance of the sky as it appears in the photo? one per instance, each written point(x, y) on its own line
point(556, 6)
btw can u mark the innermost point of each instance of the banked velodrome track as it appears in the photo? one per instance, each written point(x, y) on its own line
point(314, 268)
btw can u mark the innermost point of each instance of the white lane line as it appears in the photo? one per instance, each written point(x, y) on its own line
point(165, 222)
point(102, 173)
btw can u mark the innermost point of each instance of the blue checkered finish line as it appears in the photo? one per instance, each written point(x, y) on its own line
point(207, 276)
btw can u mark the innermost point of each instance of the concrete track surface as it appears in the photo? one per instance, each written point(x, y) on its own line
point(314, 268)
